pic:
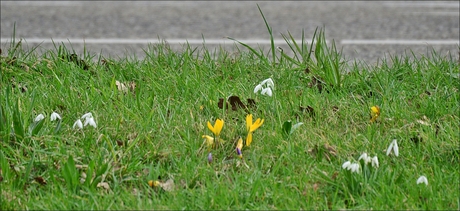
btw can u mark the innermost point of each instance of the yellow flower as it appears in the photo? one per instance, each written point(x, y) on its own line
point(251, 127)
point(375, 113)
point(209, 140)
point(217, 127)
point(239, 147)
point(155, 183)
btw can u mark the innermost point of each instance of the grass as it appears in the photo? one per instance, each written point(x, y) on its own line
point(152, 130)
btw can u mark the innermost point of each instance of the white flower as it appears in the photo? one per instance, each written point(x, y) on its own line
point(257, 88)
point(393, 146)
point(422, 179)
point(346, 165)
point(90, 121)
point(269, 83)
point(375, 162)
point(354, 168)
point(54, 116)
point(87, 115)
point(367, 159)
point(78, 124)
point(267, 90)
point(39, 118)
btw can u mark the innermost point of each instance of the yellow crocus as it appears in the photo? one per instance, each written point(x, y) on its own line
point(217, 127)
point(239, 147)
point(375, 113)
point(251, 127)
point(209, 140)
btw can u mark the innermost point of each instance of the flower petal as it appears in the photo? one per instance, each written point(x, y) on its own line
point(239, 145)
point(90, 121)
point(375, 162)
point(54, 116)
point(78, 124)
point(248, 122)
point(256, 125)
point(210, 157)
point(390, 147)
point(209, 140)
point(257, 88)
point(249, 139)
point(346, 165)
point(269, 92)
point(87, 115)
point(218, 126)
point(395, 148)
point(422, 179)
point(211, 128)
point(39, 118)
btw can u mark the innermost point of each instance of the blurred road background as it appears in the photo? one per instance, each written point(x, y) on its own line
point(365, 31)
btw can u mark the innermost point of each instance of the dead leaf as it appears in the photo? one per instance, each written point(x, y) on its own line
point(168, 185)
point(40, 180)
point(121, 86)
point(236, 103)
point(78, 166)
point(309, 110)
point(103, 185)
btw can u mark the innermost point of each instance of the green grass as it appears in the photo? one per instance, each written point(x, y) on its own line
point(154, 131)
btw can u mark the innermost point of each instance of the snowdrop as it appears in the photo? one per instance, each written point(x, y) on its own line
point(87, 115)
point(375, 162)
point(78, 124)
point(393, 146)
point(39, 118)
point(422, 179)
point(267, 89)
point(353, 167)
point(367, 159)
point(54, 116)
point(90, 121)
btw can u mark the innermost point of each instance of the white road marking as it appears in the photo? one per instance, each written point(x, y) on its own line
point(227, 41)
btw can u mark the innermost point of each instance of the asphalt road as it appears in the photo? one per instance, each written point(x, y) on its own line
point(366, 31)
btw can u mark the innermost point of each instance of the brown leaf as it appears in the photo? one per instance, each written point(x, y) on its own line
point(40, 180)
point(220, 104)
point(236, 103)
point(251, 103)
point(309, 110)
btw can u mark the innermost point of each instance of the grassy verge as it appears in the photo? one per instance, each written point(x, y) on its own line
point(147, 149)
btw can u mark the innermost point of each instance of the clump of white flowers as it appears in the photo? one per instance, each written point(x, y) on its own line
point(265, 87)
point(89, 120)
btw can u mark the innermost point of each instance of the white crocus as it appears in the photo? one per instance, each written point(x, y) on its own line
point(39, 118)
point(266, 86)
point(78, 124)
point(422, 179)
point(54, 116)
point(90, 121)
point(393, 146)
point(367, 159)
point(375, 162)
